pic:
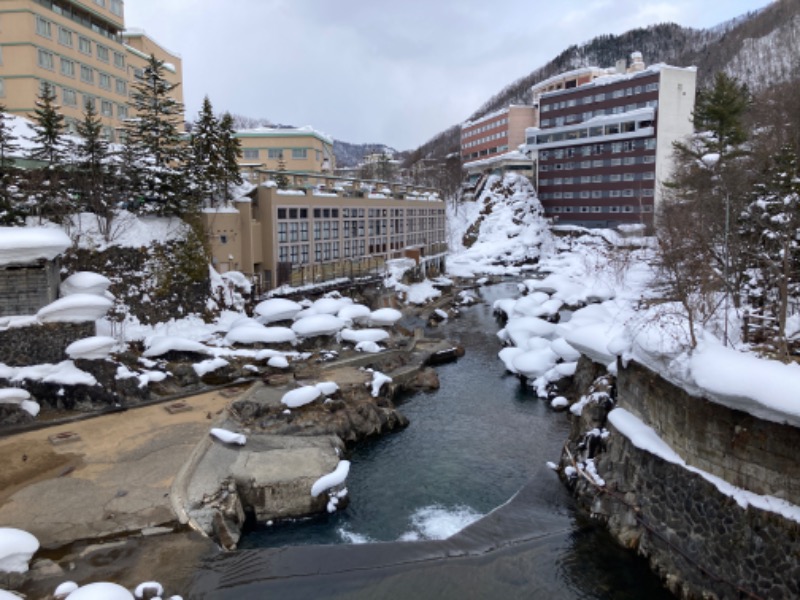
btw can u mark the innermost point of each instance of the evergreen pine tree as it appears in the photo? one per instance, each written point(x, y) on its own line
point(772, 222)
point(9, 212)
point(719, 110)
point(231, 153)
point(153, 133)
point(92, 172)
point(281, 179)
point(50, 148)
point(49, 129)
point(206, 160)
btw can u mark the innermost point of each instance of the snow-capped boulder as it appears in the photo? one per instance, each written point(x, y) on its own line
point(277, 309)
point(317, 325)
point(85, 282)
point(255, 333)
point(354, 313)
point(17, 547)
point(77, 308)
point(101, 591)
point(364, 335)
point(92, 348)
point(385, 317)
point(301, 396)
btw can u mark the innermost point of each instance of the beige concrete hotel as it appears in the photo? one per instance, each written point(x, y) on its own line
point(81, 48)
point(303, 150)
point(299, 237)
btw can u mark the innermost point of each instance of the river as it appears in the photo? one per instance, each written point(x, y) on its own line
point(475, 448)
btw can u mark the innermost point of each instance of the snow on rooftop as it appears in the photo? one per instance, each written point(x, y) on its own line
point(284, 132)
point(25, 245)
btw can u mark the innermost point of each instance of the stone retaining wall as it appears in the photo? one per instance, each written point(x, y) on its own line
point(757, 455)
point(39, 344)
point(702, 542)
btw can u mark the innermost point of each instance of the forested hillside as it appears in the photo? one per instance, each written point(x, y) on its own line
point(760, 48)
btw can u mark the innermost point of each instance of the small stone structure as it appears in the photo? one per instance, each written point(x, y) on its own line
point(24, 289)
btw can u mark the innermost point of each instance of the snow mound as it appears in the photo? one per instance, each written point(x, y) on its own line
point(228, 437)
point(364, 335)
point(330, 305)
point(152, 587)
point(13, 395)
point(17, 547)
point(101, 591)
point(77, 308)
point(368, 347)
point(385, 317)
point(301, 396)
point(337, 477)
point(85, 282)
point(317, 325)
point(328, 388)
point(278, 362)
point(64, 589)
point(92, 348)
point(24, 245)
point(161, 344)
point(277, 309)
point(354, 313)
point(378, 381)
point(255, 333)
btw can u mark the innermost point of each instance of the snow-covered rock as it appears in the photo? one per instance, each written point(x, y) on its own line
point(85, 282)
point(64, 589)
point(364, 335)
point(159, 345)
point(368, 347)
point(354, 313)
point(77, 308)
point(151, 587)
point(277, 309)
point(101, 591)
point(317, 325)
point(228, 437)
point(17, 547)
point(301, 396)
point(330, 480)
point(385, 316)
point(95, 347)
point(255, 333)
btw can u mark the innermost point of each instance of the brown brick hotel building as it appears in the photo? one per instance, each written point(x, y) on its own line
point(604, 148)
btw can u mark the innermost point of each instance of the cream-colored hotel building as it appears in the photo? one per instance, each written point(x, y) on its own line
point(80, 48)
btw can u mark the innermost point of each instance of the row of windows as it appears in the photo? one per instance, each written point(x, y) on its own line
point(333, 213)
point(69, 97)
point(601, 209)
point(115, 6)
point(84, 18)
point(479, 130)
point(585, 116)
point(599, 97)
point(486, 152)
point(68, 68)
point(596, 149)
point(277, 153)
point(489, 138)
point(66, 38)
point(598, 194)
point(610, 178)
point(592, 164)
point(595, 131)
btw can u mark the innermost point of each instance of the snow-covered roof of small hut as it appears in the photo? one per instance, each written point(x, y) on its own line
point(25, 245)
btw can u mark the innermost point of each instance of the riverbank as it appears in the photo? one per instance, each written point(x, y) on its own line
point(104, 495)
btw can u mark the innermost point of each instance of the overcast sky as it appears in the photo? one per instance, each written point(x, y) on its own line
point(395, 72)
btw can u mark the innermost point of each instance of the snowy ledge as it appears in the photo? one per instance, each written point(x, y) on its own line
point(645, 438)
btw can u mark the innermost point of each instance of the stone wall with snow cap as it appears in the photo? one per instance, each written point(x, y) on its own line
point(40, 344)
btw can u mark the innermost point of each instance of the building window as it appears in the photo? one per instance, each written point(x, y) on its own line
point(122, 87)
point(87, 74)
point(116, 7)
point(250, 153)
point(299, 154)
point(104, 81)
point(89, 100)
point(275, 153)
point(106, 108)
point(650, 144)
point(119, 60)
point(102, 53)
point(67, 67)
point(100, 3)
point(43, 27)
point(122, 111)
point(2, 88)
point(46, 59)
point(65, 37)
point(627, 193)
point(70, 97)
point(85, 45)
